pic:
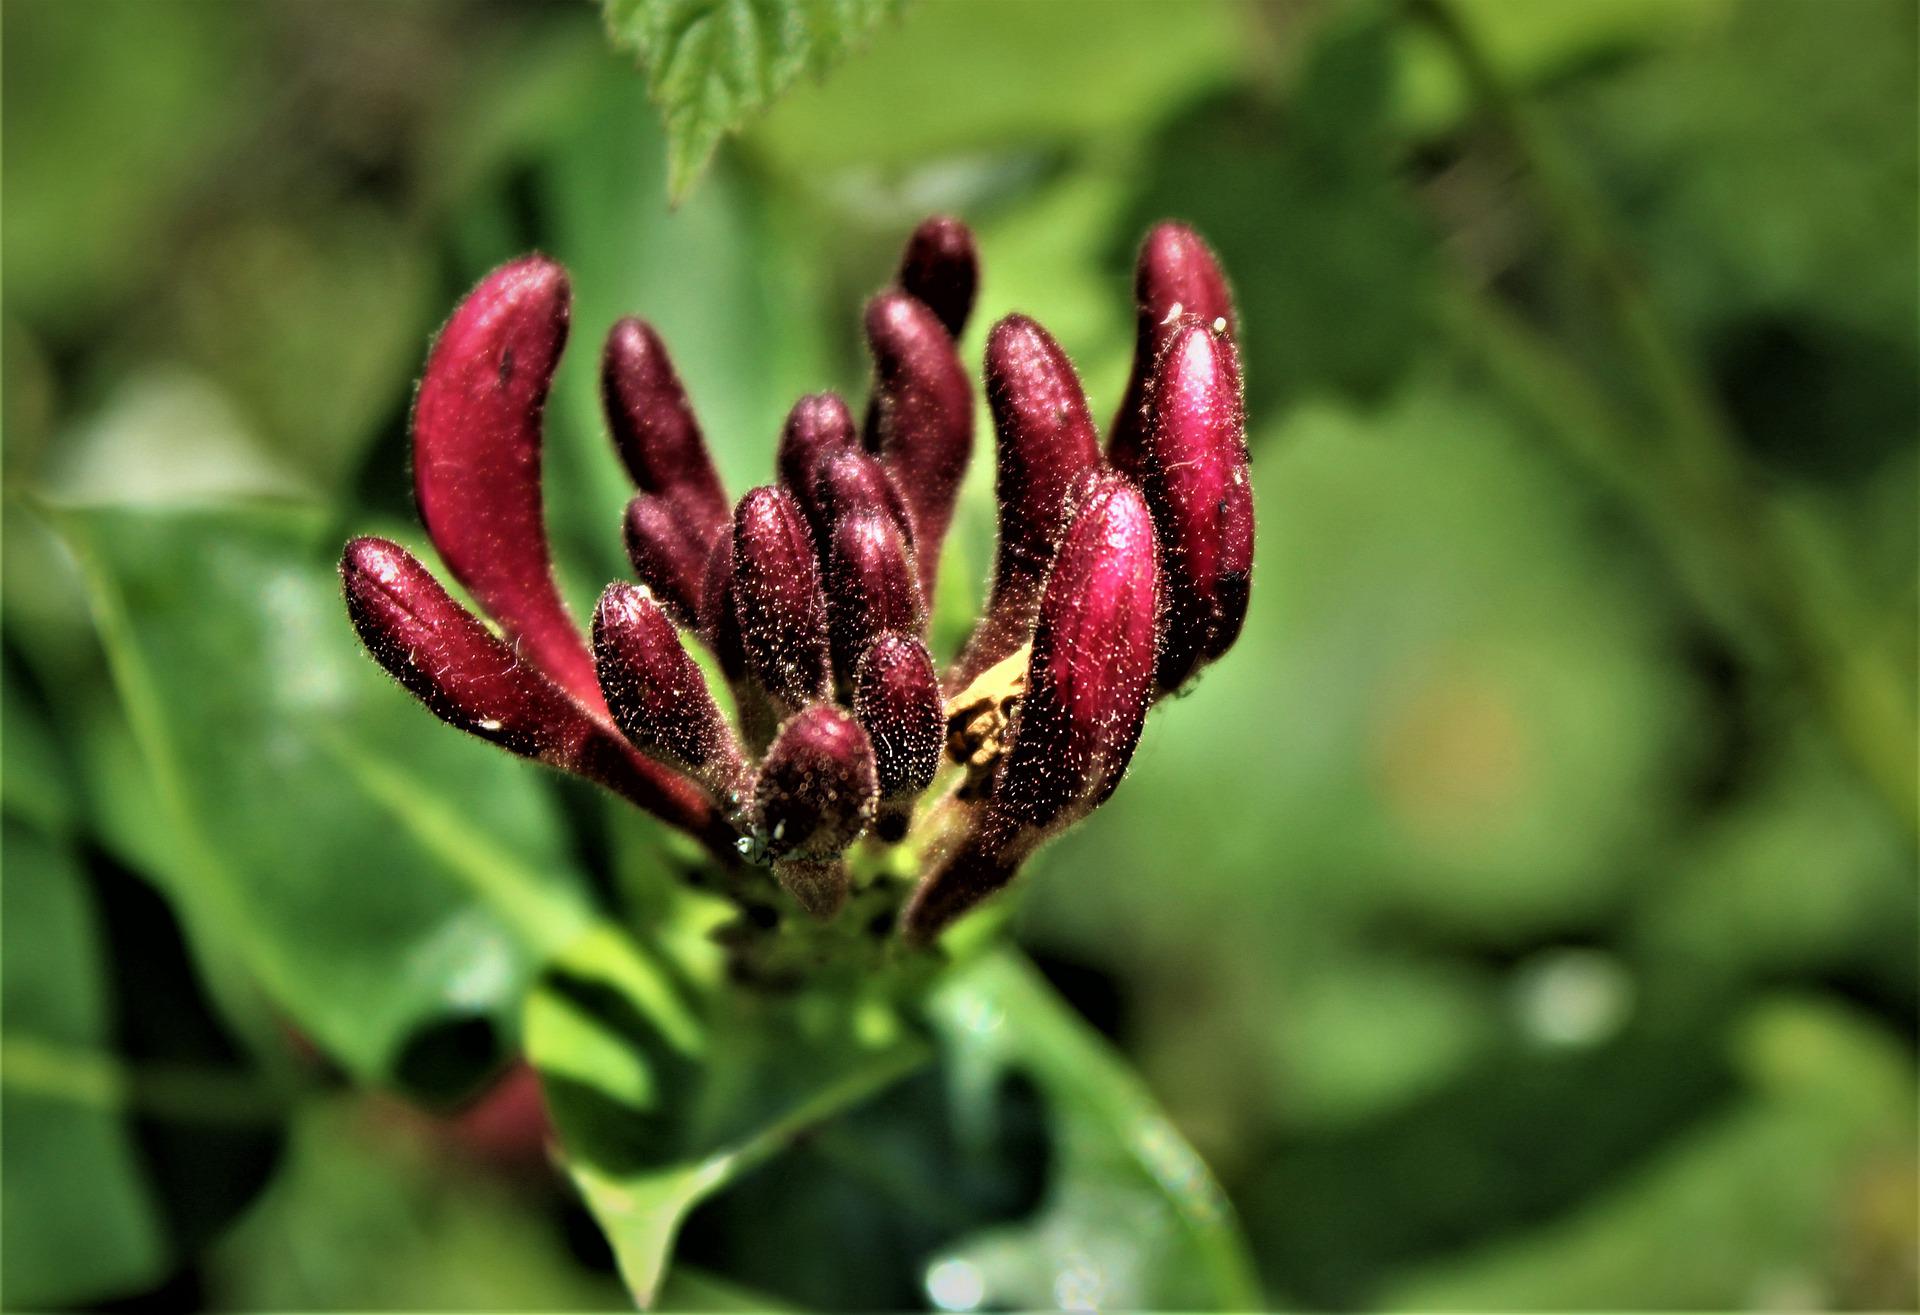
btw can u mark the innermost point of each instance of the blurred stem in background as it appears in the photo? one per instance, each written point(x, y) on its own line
point(1692, 490)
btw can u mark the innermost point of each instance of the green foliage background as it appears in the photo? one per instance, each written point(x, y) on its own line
point(1523, 916)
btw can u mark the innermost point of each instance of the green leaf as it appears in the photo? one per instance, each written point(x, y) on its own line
point(1133, 1218)
point(656, 1111)
point(375, 872)
point(372, 1210)
point(79, 1222)
point(714, 64)
point(1800, 1194)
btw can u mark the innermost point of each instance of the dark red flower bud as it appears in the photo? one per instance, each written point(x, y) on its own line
point(667, 554)
point(1046, 442)
point(814, 796)
point(848, 483)
point(1089, 682)
point(654, 429)
point(818, 426)
point(942, 268)
point(1193, 468)
point(1090, 677)
point(1177, 278)
point(446, 657)
point(719, 622)
point(476, 460)
point(777, 599)
point(921, 418)
point(896, 698)
point(657, 693)
point(870, 586)
point(720, 630)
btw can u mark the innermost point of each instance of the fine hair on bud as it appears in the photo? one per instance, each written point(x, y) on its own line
point(1193, 469)
point(870, 586)
point(818, 426)
point(668, 555)
point(1045, 443)
point(469, 677)
point(657, 692)
point(941, 267)
point(477, 430)
point(1177, 278)
point(896, 698)
point(1090, 675)
point(654, 429)
point(920, 421)
point(777, 599)
point(817, 786)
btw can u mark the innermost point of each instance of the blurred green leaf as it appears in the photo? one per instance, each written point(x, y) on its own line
point(657, 1111)
point(996, 81)
point(376, 872)
point(371, 1212)
point(1132, 1218)
point(36, 777)
point(95, 181)
point(1800, 1197)
point(713, 64)
point(79, 1222)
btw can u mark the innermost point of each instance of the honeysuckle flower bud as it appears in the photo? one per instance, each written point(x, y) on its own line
point(476, 460)
point(655, 432)
point(1089, 683)
point(446, 657)
point(896, 699)
point(777, 600)
point(1193, 469)
point(870, 587)
point(818, 426)
point(921, 419)
point(815, 794)
point(720, 631)
point(847, 483)
point(1116, 578)
point(1177, 278)
point(1090, 677)
point(942, 268)
point(668, 555)
point(1045, 442)
point(657, 694)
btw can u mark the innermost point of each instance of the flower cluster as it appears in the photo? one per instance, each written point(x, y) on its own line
point(1118, 575)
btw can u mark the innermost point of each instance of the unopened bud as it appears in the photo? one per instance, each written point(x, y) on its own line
point(1177, 278)
point(1090, 677)
point(896, 698)
point(667, 554)
point(654, 429)
point(1089, 682)
point(1193, 468)
point(942, 268)
point(777, 599)
point(921, 419)
point(818, 426)
point(657, 693)
point(870, 587)
point(814, 796)
point(446, 657)
point(1045, 443)
point(476, 460)
point(848, 483)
